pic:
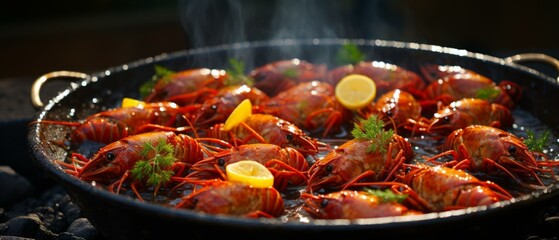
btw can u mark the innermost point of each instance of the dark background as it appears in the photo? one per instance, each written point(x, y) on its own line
point(37, 37)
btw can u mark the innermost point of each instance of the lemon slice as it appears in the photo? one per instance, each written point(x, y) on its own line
point(250, 172)
point(130, 102)
point(239, 114)
point(355, 91)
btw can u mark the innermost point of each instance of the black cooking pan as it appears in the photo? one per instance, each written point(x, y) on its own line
point(119, 217)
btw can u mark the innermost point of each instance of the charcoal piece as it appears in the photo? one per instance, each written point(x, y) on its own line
point(29, 226)
point(13, 187)
point(71, 210)
point(82, 228)
point(68, 236)
point(52, 219)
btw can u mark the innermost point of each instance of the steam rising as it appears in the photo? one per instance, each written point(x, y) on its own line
point(305, 19)
point(227, 21)
point(218, 22)
point(210, 22)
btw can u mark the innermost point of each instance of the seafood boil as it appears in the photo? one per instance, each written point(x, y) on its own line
point(327, 161)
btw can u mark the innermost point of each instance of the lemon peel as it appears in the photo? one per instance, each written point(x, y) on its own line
point(355, 91)
point(239, 114)
point(250, 172)
point(131, 102)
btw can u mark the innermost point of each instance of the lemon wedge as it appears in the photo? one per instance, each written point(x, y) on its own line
point(130, 102)
point(250, 172)
point(355, 91)
point(239, 114)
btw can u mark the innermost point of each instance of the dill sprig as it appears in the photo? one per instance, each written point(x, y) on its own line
point(372, 129)
point(487, 93)
point(160, 73)
point(156, 160)
point(536, 144)
point(349, 54)
point(386, 195)
point(236, 72)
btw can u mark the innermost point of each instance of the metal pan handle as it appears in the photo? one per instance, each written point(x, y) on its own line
point(39, 82)
point(538, 57)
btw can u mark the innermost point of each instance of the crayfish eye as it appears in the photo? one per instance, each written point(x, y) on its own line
point(389, 113)
point(221, 162)
point(259, 77)
point(512, 149)
point(110, 156)
point(289, 137)
point(408, 170)
point(329, 168)
point(213, 107)
point(324, 203)
point(194, 201)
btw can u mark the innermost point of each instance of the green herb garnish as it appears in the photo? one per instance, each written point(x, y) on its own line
point(291, 73)
point(236, 72)
point(387, 195)
point(156, 160)
point(349, 54)
point(161, 73)
point(372, 129)
point(488, 93)
point(536, 144)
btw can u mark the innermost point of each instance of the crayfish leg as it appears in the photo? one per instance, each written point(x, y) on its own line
point(433, 159)
point(355, 180)
point(135, 190)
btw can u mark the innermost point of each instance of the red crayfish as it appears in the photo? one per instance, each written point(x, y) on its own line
point(387, 76)
point(350, 204)
point(217, 108)
point(395, 108)
point(286, 164)
point(238, 199)
point(111, 125)
point(441, 188)
point(462, 113)
point(266, 128)
point(113, 163)
point(470, 85)
point(480, 148)
point(310, 105)
point(355, 160)
point(279, 76)
point(188, 86)
point(434, 72)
